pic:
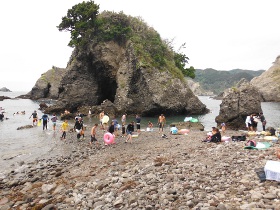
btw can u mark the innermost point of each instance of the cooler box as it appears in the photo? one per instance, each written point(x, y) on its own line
point(272, 170)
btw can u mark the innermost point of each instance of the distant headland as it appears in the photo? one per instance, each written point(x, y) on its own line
point(4, 89)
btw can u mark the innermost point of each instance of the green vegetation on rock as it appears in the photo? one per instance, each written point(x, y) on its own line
point(87, 26)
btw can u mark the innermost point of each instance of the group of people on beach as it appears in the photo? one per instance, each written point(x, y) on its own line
point(45, 119)
point(112, 126)
point(252, 121)
point(126, 129)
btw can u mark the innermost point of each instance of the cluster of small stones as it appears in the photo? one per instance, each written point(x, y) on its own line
point(178, 172)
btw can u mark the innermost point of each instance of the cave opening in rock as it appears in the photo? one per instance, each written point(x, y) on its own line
point(106, 82)
point(107, 89)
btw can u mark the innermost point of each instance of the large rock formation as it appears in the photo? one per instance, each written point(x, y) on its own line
point(109, 71)
point(136, 75)
point(268, 82)
point(237, 104)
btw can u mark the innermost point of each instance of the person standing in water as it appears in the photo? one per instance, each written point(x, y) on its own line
point(34, 115)
point(45, 119)
point(263, 121)
point(54, 119)
point(138, 121)
point(161, 122)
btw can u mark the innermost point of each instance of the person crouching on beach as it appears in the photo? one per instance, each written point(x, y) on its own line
point(64, 128)
point(129, 130)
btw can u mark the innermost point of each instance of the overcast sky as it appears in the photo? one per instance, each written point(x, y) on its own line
point(219, 34)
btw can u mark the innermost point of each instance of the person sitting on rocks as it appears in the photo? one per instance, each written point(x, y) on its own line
point(215, 137)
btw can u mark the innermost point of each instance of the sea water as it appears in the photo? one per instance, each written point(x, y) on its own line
point(19, 146)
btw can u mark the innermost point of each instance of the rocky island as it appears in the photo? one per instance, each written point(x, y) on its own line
point(4, 89)
point(136, 72)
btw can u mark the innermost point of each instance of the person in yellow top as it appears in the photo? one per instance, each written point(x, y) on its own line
point(64, 128)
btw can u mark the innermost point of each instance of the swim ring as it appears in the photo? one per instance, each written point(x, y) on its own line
point(109, 138)
point(252, 133)
point(105, 119)
point(271, 138)
point(187, 119)
point(226, 138)
point(194, 120)
point(184, 131)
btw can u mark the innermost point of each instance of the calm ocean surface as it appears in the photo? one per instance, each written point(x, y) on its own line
point(30, 144)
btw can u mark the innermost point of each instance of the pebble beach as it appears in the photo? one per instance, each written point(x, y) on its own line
point(178, 172)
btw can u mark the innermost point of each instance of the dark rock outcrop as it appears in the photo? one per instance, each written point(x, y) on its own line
point(25, 127)
point(194, 126)
point(109, 71)
point(237, 104)
point(4, 97)
point(268, 83)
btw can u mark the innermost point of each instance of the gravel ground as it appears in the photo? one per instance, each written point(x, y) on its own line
point(178, 172)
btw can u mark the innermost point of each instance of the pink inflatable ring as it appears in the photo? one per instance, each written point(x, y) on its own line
point(183, 131)
point(109, 138)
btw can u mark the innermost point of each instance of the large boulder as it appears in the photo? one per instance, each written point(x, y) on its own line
point(239, 102)
point(268, 83)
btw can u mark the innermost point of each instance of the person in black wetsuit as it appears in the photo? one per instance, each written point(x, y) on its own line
point(45, 119)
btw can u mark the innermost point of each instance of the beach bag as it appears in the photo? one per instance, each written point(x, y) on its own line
point(251, 143)
point(238, 138)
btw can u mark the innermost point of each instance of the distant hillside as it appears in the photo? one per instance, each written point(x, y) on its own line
point(217, 81)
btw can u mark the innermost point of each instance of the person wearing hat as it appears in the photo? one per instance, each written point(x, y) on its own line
point(34, 115)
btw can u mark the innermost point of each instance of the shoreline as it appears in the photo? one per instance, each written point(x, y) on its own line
point(179, 172)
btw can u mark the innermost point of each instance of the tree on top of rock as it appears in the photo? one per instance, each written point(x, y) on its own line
point(86, 25)
point(80, 21)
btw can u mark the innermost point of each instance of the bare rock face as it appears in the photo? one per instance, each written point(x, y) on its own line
point(47, 86)
point(111, 72)
point(268, 82)
point(237, 104)
point(197, 89)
